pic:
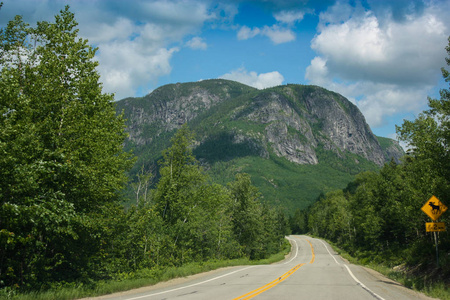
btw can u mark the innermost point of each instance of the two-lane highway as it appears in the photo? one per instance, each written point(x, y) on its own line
point(312, 271)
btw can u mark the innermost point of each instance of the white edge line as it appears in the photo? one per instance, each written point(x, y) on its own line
point(188, 286)
point(353, 276)
point(296, 251)
point(198, 283)
point(330, 252)
point(362, 285)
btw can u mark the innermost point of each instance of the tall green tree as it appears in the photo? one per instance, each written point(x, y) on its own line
point(181, 176)
point(61, 148)
point(428, 136)
point(247, 222)
point(180, 198)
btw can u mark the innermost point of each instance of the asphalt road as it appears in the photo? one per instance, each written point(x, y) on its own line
point(312, 271)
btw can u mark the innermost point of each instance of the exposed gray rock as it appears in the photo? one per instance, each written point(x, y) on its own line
point(296, 119)
point(394, 151)
point(343, 124)
point(289, 145)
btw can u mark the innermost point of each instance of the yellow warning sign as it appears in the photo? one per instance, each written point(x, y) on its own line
point(434, 208)
point(435, 226)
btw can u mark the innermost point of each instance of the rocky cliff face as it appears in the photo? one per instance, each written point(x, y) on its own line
point(292, 121)
point(170, 106)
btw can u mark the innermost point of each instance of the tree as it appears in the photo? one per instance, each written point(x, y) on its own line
point(61, 147)
point(247, 223)
point(144, 179)
point(180, 195)
point(181, 176)
point(428, 135)
point(299, 221)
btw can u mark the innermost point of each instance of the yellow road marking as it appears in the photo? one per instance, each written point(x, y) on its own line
point(275, 282)
point(312, 251)
point(269, 285)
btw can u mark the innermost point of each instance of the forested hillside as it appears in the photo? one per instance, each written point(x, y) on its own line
point(295, 141)
point(378, 217)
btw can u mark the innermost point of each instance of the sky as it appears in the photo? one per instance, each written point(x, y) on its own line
point(384, 56)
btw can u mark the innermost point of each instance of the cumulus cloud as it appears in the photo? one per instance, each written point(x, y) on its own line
point(136, 43)
point(259, 81)
point(279, 33)
point(197, 43)
point(289, 17)
point(127, 66)
point(246, 33)
point(384, 66)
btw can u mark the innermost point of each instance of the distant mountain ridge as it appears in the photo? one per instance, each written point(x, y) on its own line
point(304, 125)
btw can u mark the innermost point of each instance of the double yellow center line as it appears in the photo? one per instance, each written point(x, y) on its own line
point(275, 282)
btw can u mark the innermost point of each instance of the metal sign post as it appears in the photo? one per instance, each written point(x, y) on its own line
point(434, 208)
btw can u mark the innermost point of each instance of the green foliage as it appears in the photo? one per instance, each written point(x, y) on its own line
point(176, 193)
point(384, 142)
point(221, 147)
point(282, 183)
point(204, 220)
point(61, 144)
point(258, 228)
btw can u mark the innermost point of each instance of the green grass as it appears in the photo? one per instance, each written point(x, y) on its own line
point(140, 278)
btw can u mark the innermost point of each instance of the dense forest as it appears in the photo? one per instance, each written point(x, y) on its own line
point(378, 217)
point(62, 169)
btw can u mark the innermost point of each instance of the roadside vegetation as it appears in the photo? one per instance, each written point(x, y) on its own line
point(63, 230)
point(378, 219)
point(132, 280)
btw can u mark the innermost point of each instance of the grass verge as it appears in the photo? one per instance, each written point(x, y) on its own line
point(140, 278)
point(418, 283)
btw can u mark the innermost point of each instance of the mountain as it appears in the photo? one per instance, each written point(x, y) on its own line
point(296, 141)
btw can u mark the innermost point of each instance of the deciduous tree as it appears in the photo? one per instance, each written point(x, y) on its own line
point(60, 143)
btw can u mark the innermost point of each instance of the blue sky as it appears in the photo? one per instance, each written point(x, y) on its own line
point(384, 56)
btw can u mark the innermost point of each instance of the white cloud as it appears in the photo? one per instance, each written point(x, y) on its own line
point(259, 81)
point(317, 71)
point(340, 12)
point(279, 33)
point(135, 67)
point(387, 100)
point(121, 29)
point(275, 33)
point(384, 66)
point(289, 17)
point(197, 43)
point(246, 33)
point(136, 45)
point(136, 40)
